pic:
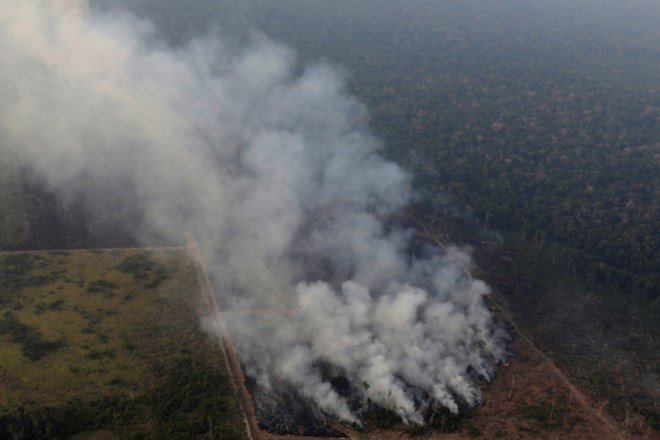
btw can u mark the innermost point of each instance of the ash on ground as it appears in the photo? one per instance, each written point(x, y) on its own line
point(281, 410)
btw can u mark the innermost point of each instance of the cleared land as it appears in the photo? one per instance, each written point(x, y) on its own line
point(108, 345)
point(529, 399)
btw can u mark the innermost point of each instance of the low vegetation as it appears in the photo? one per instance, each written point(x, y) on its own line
point(150, 273)
point(33, 345)
point(605, 341)
point(108, 342)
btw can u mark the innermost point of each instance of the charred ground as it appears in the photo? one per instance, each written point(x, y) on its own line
point(538, 409)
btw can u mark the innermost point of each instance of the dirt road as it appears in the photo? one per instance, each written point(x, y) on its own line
point(531, 381)
point(233, 365)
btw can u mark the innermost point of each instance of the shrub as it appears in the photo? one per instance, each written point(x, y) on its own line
point(101, 286)
point(33, 345)
point(143, 268)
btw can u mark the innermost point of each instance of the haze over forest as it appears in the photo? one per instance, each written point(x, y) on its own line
point(533, 121)
point(301, 130)
point(534, 116)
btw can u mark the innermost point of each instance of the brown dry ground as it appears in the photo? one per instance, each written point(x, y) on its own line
point(530, 398)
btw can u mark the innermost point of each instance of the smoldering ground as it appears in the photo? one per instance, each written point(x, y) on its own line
point(272, 166)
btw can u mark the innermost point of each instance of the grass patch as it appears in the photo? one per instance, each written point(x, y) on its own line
point(46, 307)
point(102, 354)
point(101, 286)
point(21, 270)
point(651, 418)
point(548, 415)
point(33, 345)
point(472, 430)
point(143, 268)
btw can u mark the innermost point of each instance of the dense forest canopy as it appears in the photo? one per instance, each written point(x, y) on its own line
point(535, 119)
point(539, 117)
point(542, 117)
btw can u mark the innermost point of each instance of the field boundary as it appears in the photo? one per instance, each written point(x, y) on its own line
point(220, 328)
point(117, 249)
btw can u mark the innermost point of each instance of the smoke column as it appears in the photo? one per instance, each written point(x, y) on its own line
point(273, 168)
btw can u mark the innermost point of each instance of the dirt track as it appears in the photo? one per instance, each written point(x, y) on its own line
point(577, 394)
point(532, 379)
point(233, 365)
point(530, 371)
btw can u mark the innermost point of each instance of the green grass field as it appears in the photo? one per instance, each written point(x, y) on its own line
point(107, 345)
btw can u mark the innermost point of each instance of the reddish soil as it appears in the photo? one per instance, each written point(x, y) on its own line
point(533, 399)
point(530, 398)
point(232, 363)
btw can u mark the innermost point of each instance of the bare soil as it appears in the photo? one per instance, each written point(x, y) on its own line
point(530, 398)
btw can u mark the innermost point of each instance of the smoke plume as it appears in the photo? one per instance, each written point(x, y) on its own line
point(273, 168)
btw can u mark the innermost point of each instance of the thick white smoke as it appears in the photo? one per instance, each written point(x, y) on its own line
point(276, 174)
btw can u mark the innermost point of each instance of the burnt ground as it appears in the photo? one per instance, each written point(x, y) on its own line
point(282, 410)
point(544, 403)
point(608, 344)
point(606, 341)
point(530, 398)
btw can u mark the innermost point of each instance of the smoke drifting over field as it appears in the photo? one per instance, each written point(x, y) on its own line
point(274, 170)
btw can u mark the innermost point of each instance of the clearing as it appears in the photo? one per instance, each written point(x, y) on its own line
point(109, 343)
